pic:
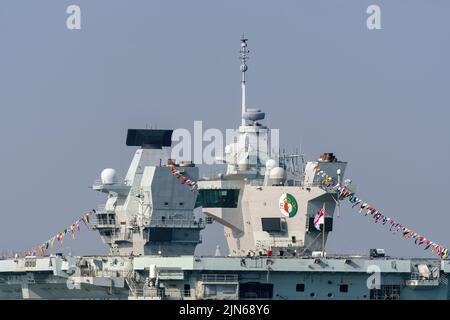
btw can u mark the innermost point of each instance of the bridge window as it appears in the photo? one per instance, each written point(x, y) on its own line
point(160, 234)
point(218, 198)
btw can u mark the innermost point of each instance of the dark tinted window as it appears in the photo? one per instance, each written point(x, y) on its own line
point(256, 290)
point(300, 287)
point(220, 198)
point(271, 224)
point(160, 234)
point(343, 288)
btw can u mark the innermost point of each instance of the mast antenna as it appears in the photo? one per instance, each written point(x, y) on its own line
point(243, 56)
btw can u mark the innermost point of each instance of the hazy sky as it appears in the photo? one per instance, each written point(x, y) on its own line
point(377, 99)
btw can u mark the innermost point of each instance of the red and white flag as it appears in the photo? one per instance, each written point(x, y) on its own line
point(319, 219)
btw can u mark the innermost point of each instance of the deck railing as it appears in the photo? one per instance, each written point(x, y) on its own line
point(219, 278)
point(176, 223)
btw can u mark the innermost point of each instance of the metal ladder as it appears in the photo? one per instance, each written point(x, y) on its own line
point(132, 284)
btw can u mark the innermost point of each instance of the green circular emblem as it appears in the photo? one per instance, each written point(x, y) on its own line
point(288, 205)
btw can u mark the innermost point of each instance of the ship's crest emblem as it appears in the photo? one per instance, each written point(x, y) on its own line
point(288, 205)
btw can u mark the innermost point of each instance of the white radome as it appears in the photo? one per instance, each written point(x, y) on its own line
point(108, 176)
point(277, 173)
point(270, 164)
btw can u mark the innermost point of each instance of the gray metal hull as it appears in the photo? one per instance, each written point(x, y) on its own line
point(223, 278)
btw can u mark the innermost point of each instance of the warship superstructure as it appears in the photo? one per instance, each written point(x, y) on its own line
point(267, 203)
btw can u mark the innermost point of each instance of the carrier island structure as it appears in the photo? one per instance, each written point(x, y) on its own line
point(267, 208)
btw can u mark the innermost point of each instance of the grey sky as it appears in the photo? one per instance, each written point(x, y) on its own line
point(378, 99)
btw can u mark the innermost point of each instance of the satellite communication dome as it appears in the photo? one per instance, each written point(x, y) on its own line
point(270, 164)
point(277, 176)
point(277, 173)
point(108, 176)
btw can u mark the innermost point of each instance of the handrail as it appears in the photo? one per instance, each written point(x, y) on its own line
point(220, 277)
point(103, 222)
point(99, 182)
point(101, 209)
point(296, 183)
point(176, 223)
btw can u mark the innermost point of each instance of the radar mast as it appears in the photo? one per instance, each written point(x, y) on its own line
point(243, 57)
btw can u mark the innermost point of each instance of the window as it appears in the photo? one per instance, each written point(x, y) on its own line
point(209, 220)
point(343, 288)
point(256, 290)
point(271, 224)
point(219, 198)
point(300, 287)
point(160, 234)
point(112, 219)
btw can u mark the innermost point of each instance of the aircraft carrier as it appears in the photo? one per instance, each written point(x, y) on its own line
point(269, 209)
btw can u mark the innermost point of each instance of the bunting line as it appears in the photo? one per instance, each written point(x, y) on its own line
point(60, 236)
point(183, 179)
point(330, 184)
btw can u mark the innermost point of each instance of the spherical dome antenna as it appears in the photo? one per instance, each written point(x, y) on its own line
point(108, 176)
point(277, 173)
point(270, 164)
